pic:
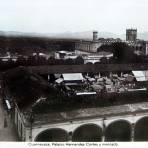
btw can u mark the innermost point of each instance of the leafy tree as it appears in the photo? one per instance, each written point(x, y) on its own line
point(104, 60)
point(79, 60)
point(69, 61)
point(122, 52)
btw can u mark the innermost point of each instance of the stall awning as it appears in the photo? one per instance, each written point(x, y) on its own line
point(86, 93)
point(72, 77)
point(60, 80)
point(141, 75)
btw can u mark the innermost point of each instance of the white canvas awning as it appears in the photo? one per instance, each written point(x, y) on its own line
point(60, 80)
point(8, 104)
point(142, 89)
point(85, 93)
point(72, 77)
point(141, 75)
point(91, 79)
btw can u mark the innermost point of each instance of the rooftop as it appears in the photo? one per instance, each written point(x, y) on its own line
point(72, 76)
point(90, 113)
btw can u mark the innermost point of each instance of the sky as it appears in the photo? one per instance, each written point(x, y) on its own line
point(58, 16)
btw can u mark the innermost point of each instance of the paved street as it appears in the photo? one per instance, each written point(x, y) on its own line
point(7, 129)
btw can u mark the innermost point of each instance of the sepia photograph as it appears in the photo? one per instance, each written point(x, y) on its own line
point(74, 71)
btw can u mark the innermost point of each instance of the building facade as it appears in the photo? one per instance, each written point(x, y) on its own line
point(127, 124)
point(131, 35)
point(92, 46)
point(88, 45)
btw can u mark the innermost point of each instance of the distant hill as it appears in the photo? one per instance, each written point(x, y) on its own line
point(89, 35)
point(84, 35)
point(72, 35)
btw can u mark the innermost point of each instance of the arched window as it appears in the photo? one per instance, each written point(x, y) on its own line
point(141, 130)
point(87, 132)
point(54, 134)
point(118, 131)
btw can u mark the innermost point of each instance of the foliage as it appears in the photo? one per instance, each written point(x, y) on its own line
point(122, 52)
